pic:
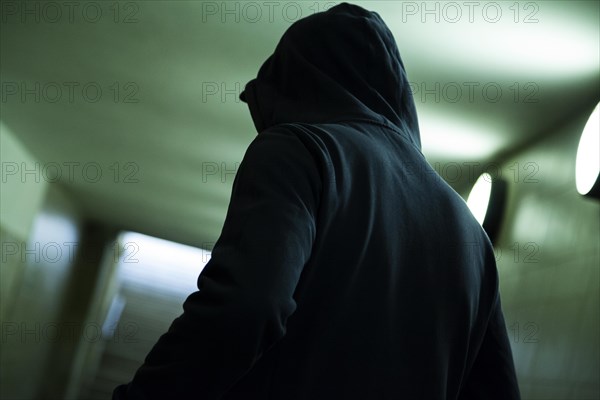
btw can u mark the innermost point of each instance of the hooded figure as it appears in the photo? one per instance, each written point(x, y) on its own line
point(346, 267)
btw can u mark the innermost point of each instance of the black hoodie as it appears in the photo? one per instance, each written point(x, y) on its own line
point(346, 267)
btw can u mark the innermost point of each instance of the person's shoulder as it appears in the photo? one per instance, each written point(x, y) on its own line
point(290, 135)
point(282, 140)
point(285, 129)
point(282, 134)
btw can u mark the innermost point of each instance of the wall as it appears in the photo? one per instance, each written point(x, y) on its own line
point(45, 280)
point(548, 258)
point(30, 323)
point(21, 197)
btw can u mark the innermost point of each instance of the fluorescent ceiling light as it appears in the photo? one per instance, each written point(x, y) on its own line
point(479, 197)
point(524, 38)
point(456, 139)
point(160, 264)
point(486, 201)
point(587, 164)
point(541, 49)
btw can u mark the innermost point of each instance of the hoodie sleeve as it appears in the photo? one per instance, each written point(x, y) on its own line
point(246, 290)
point(493, 374)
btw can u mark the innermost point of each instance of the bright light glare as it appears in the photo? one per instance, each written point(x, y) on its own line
point(587, 164)
point(159, 264)
point(548, 41)
point(479, 198)
point(449, 138)
point(552, 49)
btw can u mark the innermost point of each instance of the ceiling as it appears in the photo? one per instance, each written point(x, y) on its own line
point(167, 130)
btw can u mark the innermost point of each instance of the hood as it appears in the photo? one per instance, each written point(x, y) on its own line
point(341, 64)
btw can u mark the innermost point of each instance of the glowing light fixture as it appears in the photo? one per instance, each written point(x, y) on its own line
point(486, 201)
point(479, 198)
point(587, 164)
point(160, 265)
point(445, 137)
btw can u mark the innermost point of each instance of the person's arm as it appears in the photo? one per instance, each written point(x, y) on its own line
point(493, 374)
point(246, 290)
